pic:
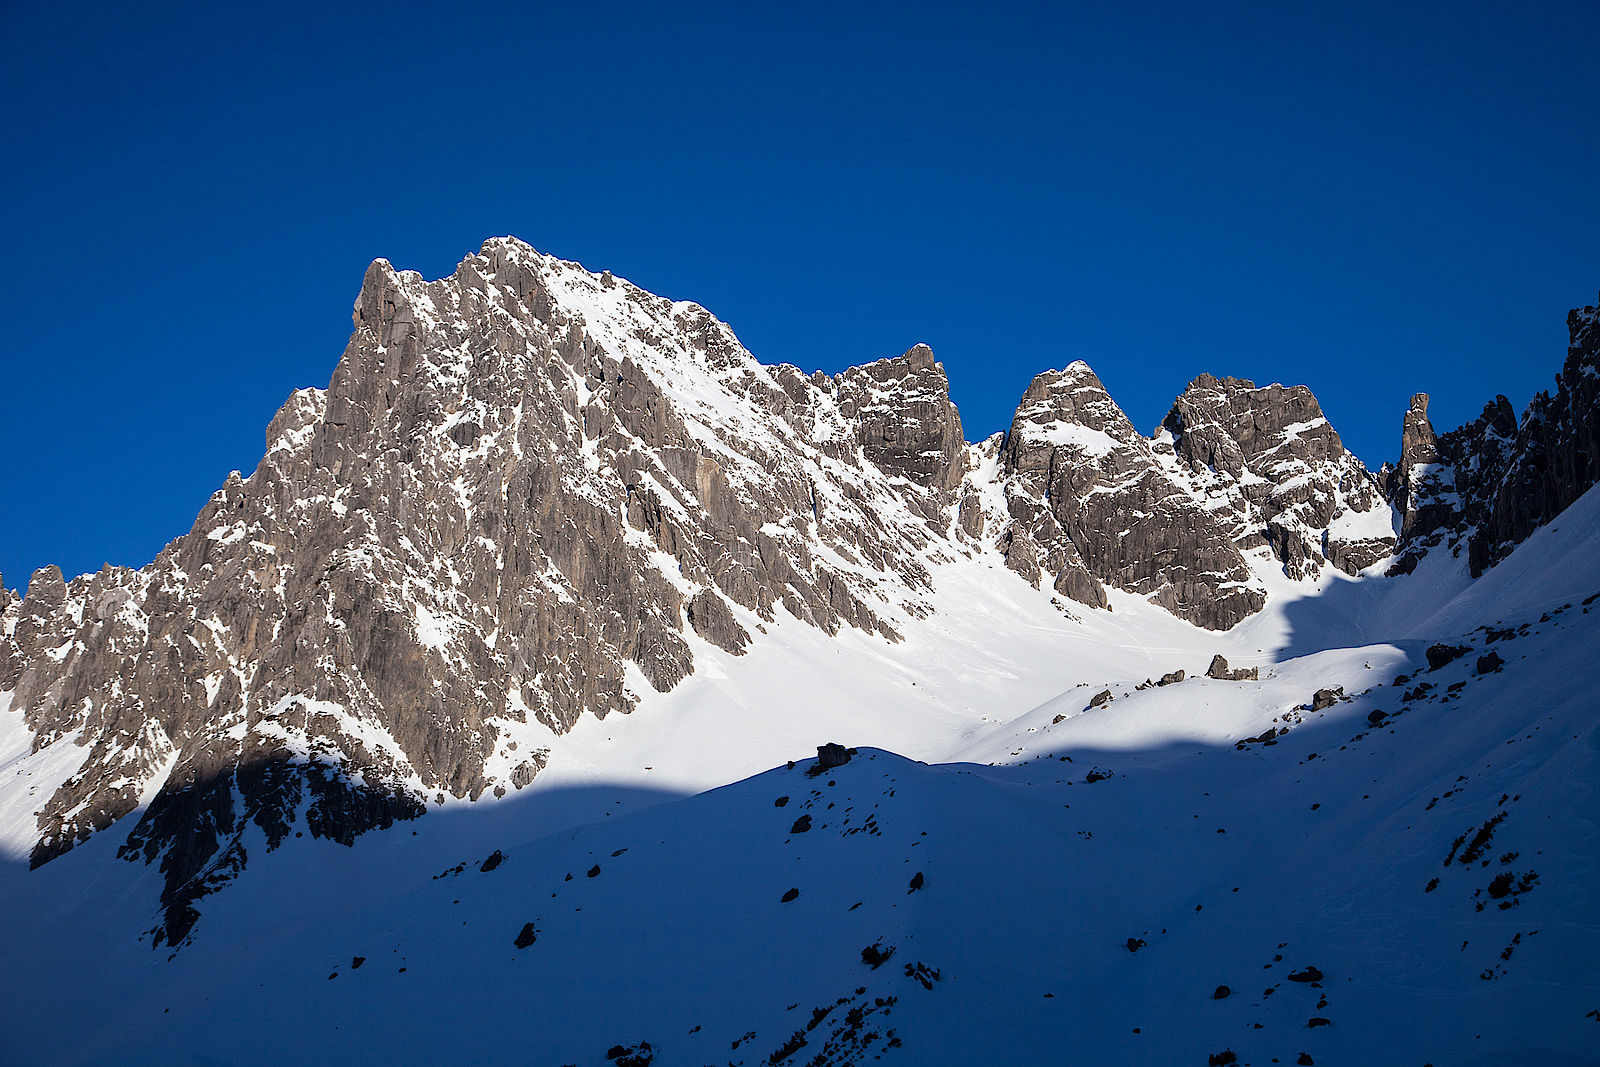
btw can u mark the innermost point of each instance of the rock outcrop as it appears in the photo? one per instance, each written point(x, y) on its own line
point(1089, 505)
point(1489, 484)
point(1279, 475)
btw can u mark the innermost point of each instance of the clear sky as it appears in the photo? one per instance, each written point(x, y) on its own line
point(1368, 200)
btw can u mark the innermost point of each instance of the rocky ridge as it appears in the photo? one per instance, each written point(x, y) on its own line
point(530, 493)
point(1486, 486)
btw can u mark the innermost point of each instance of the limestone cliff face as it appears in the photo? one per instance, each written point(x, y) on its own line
point(1090, 504)
point(526, 493)
point(1279, 474)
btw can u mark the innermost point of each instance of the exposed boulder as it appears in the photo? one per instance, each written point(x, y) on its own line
point(831, 755)
point(1219, 671)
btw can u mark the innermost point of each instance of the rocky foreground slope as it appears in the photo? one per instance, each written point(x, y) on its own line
point(532, 495)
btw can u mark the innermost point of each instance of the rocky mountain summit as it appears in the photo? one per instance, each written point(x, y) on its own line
point(532, 494)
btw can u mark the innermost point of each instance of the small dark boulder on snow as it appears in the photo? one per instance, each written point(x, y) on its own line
point(780, 802)
point(1441, 654)
point(1305, 1060)
point(1058, 720)
point(1096, 775)
point(1222, 993)
point(495, 859)
point(1226, 1058)
point(1490, 663)
point(640, 1055)
point(527, 937)
point(356, 962)
point(1376, 717)
point(1326, 698)
point(916, 882)
point(594, 872)
point(792, 894)
point(830, 756)
point(1316, 1021)
point(1100, 699)
point(875, 955)
point(801, 825)
point(1171, 679)
point(1135, 944)
point(1310, 974)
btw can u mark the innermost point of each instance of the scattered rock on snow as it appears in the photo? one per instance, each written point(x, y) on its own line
point(1326, 698)
point(1441, 654)
point(830, 756)
point(1219, 670)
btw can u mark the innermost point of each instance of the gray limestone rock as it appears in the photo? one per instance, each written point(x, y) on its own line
point(1219, 670)
point(905, 421)
point(1290, 484)
point(1089, 497)
point(1487, 485)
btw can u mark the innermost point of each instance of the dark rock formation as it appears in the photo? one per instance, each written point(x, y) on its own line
point(1441, 654)
point(1219, 670)
point(830, 756)
point(1489, 484)
point(1090, 504)
point(1172, 678)
point(905, 421)
point(1326, 698)
point(1287, 479)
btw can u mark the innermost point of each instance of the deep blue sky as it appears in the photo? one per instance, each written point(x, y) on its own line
point(1367, 201)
